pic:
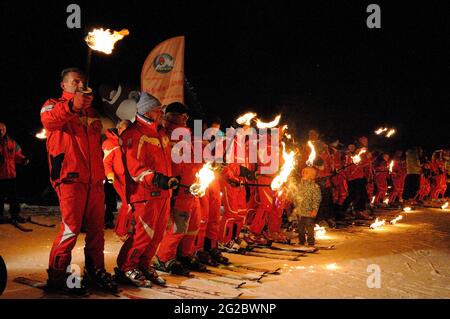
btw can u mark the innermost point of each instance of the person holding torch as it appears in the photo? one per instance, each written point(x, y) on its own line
point(76, 173)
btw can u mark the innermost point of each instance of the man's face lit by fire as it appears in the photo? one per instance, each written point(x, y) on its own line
point(73, 82)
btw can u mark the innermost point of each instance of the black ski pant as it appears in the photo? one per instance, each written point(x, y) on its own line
point(306, 230)
point(326, 204)
point(8, 191)
point(411, 186)
point(357, 194)
point(110, 202)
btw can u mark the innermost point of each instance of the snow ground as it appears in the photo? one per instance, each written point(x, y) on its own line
point(413, 256)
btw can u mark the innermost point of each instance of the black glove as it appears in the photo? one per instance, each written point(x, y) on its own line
point(165, 182)
point(248, 174)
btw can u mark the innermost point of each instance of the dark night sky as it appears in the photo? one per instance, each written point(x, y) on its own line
point(318, 63)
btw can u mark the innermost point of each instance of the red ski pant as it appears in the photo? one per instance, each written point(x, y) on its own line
point(370, 188)
point(438, 186)
point(150, 220)
point(398, 185)
point(263, 209)
point(339, 188)
point(424, 188)
point(210, 217)
point(276, 214)
point(235, 212)
point(79, 202)
point(182, 230)
point(123, 222)
point(382, 186)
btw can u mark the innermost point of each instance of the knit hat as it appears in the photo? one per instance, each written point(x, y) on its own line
point(147, 103)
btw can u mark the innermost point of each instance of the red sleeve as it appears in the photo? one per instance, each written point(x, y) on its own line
point(108, 156)
point(19, 157)
point(54, 114)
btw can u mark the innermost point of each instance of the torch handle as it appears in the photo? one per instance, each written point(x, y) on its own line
point(87, 89)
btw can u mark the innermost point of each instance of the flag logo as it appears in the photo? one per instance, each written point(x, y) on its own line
point(163, 63)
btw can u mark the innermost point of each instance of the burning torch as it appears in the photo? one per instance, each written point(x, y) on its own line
point(102, 41)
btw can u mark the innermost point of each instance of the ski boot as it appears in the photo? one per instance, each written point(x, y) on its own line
point(277, 237)
point(363, 215)
point(192, 263)
point(64, 283)
point(17, 218)
point(216, 256)
point(255, 239)
point(205, 258)
point(100, 279)
point(172, 266)
point(133, 277)
point(151, 274)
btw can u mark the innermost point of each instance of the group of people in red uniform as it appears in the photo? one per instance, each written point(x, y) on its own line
point(162, 224)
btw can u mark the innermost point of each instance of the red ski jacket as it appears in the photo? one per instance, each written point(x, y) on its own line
point(112, 155)
point(73, 142)
point(10, 154)
point(146, 150)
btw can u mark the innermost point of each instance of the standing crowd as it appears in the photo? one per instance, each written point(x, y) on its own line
point(162, 224)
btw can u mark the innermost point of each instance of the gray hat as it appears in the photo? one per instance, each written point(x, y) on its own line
point(147, 103)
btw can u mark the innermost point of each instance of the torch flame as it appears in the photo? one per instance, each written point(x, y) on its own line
point(391, 166)
point(103, 40)
point(386, 201)
point(381, 130)
point(246, 118)
point(286, 169)
point(42, 135)
point(373, 200)
point(312, 155)
point(445, 205)
point(357, 158)
point(390, 133)
point(319, 231)
point(261, 124)
point(407, 209)
point(377, 224)
point(396, 219)
point(204, 177)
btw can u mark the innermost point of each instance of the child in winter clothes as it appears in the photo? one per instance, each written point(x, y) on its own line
point(308, 202)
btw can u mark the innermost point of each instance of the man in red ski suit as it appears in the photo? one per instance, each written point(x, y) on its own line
point(76, 172)
point(424, 185)
point(149, 181)
point(10, 155)
point(439, 178)
point(381, 168)
point(233, 191)
point(354, 171)
point(115, 173)
point(339, 186)
point(176, 253)
point(208, 234)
